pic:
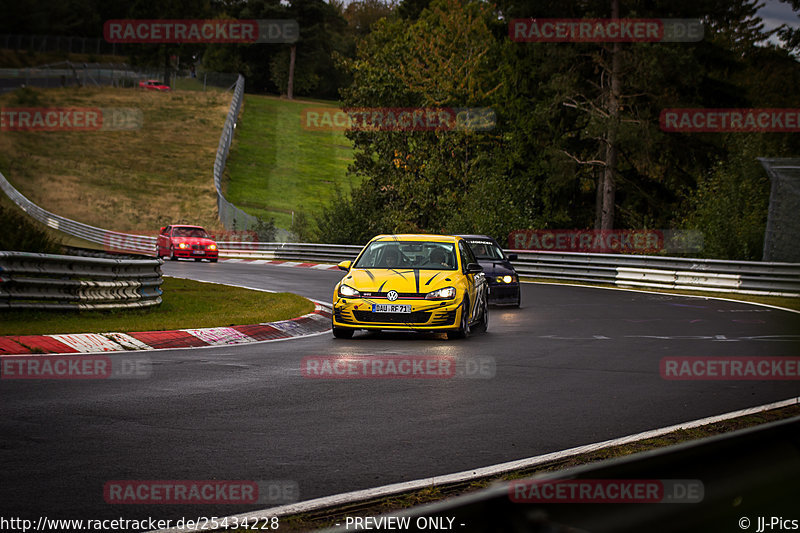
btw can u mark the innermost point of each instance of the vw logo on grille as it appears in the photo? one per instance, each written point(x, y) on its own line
point(392, 295)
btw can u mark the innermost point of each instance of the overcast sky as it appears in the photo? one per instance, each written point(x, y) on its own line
point(775, 13)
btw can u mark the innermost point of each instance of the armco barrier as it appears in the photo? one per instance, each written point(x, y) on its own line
point(303, 252)
point(43, 281)
point(109, 240)
point(743, 277)
point(231, 216)
point(749, 473)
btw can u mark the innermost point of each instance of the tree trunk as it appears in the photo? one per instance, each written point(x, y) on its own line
point(609, 186)
point(290, 86)
point(166, 65)
point(598, 201)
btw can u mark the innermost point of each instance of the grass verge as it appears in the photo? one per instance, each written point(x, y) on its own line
point(329, 517)
point(130, 181)
point(276, 166)
point(778, 301)
point(56, 236)
point(186, 304)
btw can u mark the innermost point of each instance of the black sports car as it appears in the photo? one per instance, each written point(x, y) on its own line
point(503, 279)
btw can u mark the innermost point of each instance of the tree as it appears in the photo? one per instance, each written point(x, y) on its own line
point(361, 15)
point(445, 59)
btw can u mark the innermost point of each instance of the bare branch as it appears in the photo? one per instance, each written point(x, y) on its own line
point(594, 162)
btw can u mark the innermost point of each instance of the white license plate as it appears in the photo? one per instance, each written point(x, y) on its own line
point(198, 252)
point(391, 308)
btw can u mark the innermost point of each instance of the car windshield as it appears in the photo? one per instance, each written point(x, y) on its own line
point(486, 250)
point(190, 232)
point(408, 254)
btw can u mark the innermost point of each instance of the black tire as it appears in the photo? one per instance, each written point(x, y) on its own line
point(342, 333)
point(213, 260)
point(463, 329)
point(172, 254)
point(519, 299)
point(197, 259)
point(483, 324)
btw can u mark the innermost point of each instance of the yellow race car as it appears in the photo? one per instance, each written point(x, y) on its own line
point(412, 282)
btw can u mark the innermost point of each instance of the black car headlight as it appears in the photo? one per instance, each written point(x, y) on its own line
point(447, 293)
point(348, 292)
point(508, 278)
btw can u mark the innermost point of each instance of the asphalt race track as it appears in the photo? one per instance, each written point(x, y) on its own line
point(574, 365)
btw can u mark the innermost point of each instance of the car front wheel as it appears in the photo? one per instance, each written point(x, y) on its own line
point(463, 328)
point(483, 324)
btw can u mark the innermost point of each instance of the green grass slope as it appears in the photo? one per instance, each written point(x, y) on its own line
point(276, 166)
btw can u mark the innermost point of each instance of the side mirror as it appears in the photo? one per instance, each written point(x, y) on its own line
point(512, 257)
point(345, 265)
point(474, 268)
point(162, 229)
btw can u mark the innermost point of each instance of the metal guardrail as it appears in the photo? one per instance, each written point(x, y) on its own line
point(748, 473)
point(44, 281)
point(109, 240)
point(743, 277)
point(304, 252)
point(231, 216)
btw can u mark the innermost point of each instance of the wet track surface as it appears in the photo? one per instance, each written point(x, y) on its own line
point(573, 366)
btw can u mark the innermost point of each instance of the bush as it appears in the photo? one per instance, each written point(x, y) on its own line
point(730, 208)
point(22, 235)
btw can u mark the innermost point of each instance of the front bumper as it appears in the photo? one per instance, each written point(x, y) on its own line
point(503, 293)
point(196, 254)
point(356, 313)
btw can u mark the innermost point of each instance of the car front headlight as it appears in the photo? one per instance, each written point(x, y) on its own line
point(348, 291)
point(212, 246)
point(506, 279)
point(183, 245)
point(447, 293)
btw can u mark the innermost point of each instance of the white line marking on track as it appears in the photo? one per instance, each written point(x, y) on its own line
point(397, 488)
point(659, 292)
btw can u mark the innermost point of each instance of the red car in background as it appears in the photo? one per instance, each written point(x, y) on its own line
point(186, 242)
point(154, 85)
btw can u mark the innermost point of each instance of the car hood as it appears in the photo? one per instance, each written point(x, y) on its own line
point(497, 268)
point(400, 280)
